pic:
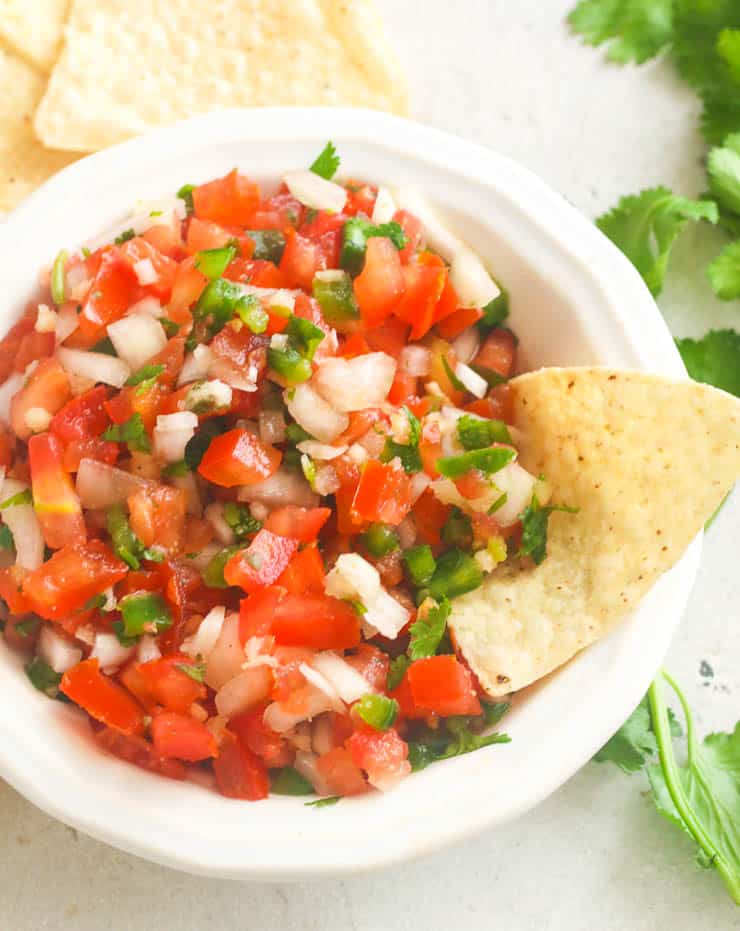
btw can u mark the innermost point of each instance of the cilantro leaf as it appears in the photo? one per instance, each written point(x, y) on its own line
point(723, 169)
point(186, 193)
point(124, 237)
point(466, 741)
point(326, 162)
point(145, 377)
point(428, 630)
point(475, 433)
point(635, 29)
point(645, 226)
point(407, 452)
point(633, 744)
point(396, 671)
point(714, 359)
point(535, 519)
point(132, 432)
point(240, 519)
point(724, 272)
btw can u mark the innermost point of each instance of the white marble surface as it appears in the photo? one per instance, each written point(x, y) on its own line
point(595, 855)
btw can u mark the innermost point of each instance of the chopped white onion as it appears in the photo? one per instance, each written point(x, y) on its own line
point(386, 615)
point(415, 360)
point(466, 345)
point(384, 207)
point(76, 281)
point(406, 532)
point(95, 365)
point(147, 305)
point(283, 299)
point(314, 414)
point(46, 319)
point(201, 560)
point(473, 382)
point(322, 737)
point(314, 191)
point(226, 658)
point(196, 365)
point(272, 426)
point(326, 481)
point(214, 514)
point(323, 685)
point(189, 484)
point(283, 487)
point(346, 681)
point(317, 450)
point(254, 650)
point(438, 237)
point(172, 434)
point(306, 764)
point(145, 272)
point(109, 652)
point(280, 720)
point(100, 485)
point(357, 453)
point(10, 387)
point(244, 691)
point(420, 481)
point(24, 525)
point(136, 338)
point(518, 485)
point(471, 281)
point(37, 419)
point(164, 212)
point(211, 395)
point(204, 639)
point(353, 577)
point(355, 384)
point(67, 322)
point(226, 371)
point(147, 649)
point(61, 654)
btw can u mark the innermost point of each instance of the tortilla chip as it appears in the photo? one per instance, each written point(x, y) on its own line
point(130, 65)
point(647, 460)
point(24, 162)
point(33, 29)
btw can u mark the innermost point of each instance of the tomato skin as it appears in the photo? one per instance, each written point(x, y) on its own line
point(261, 563)
point(169, 686)
point(239, 772)
point(181, 737)
point(204, 234)
point(302, 524)
point(238, 457)
point(340, 772)
point(315, 621)
point(383, 493)
point(172, 358)
point(256, 612)
point(305, 573)
point(498, 352)
point(259, 739)
point(102, 698)
point(456, 323)
point(404, 386)
point(380, 284)
point(257, 272)
point(82, 417)
point(47, 387)
point(137, 750)
point(423, 288)
point(229, 201)
point(382, 754)
point(390, 338)
point(444, 685)
point(187, 287)
point(55, 500)
point(112, 292)
point(74, 574)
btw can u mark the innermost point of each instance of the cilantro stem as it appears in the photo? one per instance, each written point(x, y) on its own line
point(662, 731)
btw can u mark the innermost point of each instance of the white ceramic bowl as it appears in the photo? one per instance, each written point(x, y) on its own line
point(574, 299)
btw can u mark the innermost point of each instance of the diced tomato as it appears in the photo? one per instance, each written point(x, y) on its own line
point(301, 259)
point(261, 563)
point(238, 457)
point(430, 516)
point(139, 250)
point(372, 664)
point(380, 284)
point(34, 346)
point(230, 201)
point(444, 685)
point(55, 500)
point(47, 387)
point(137, 750)
point(472, 484)
point(11, 590)
point(113, 291)
point(257, 272)
point(498, 352)
point(315, 621)
point(453, 325)
point(186, 289)
point(497, 405)
point(404, 386)
point(242, 349)
point(348, 473)
point(413, 228)
point(71, 577)
point(203, 234)
point(406, 704)
point(383, 493)
point(82, 417)
point(359, 423)
point(390, 338)
point(360, 198)
point(239, 772)
point(11, 342)
point(90, 448)
point(165, 239)
point(382, 754)
point(102, 698)
point(181, 737)
point(7, 446)
point(423, 288)
point(168, 684)
point(354, 345)
point(304, 574)
point(257, 737)
point(326, 231)
point(172, 358)
point(303, 524)
point(281, 211)
point(256, 612)
point(157, 515)
point(340, 773)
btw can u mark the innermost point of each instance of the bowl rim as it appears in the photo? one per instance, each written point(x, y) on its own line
point(608, 271)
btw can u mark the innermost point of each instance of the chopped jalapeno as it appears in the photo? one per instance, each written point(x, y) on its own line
point(57, 277)
point(486, 460)
point(144, 613)
point(380, 539)
point(213, 262)
point(420, 564)
point(456, 573)
point(269, 245)
point(333, 291)
point(289, 364)
point(378, 711)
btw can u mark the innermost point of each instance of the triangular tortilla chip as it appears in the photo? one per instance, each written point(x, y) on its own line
point(130, 65)
point(647, 460)
point(24, 162)
point(33, 29)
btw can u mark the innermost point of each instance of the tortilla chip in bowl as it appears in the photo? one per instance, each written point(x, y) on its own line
point(575, 301)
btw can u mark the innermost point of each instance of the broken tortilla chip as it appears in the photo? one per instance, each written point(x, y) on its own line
point(33, 29)
point(647, 460)
point(24, 162)
point(130, 65)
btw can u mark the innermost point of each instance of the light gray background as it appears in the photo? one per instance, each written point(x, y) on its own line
point(595, 856)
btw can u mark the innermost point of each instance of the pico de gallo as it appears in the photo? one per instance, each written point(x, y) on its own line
point(253, 446)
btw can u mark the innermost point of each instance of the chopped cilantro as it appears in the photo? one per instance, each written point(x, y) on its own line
point(407, 452)
point(396, 671)
point(95, 602)
point(176, 469)
point(169, 326)
point(186, 193)
point(499, 503)
point(723, 171)
point(355, 235)
point(304, 335)
point(636, 30)
point(534, 520)
point(28, 627)
point(475, 433)
point(132, 432)
point(326, 162)
point(496, 311)
point(457, 529)
point(239, 518)
point(105, 347)
point(466, 741)
point(200, 441)
point(429, 629)
point(43, 677)
point(6, 538)
point(124, 237)
point(126, 545)
point(296, 434)
point(487, 461)
point(724, 272)
point(714, 359)
point(146, 376)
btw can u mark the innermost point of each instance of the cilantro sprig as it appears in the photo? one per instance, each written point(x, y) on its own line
point(327, 162)
point(429, 629)
point(407, 452)
point(535, 519)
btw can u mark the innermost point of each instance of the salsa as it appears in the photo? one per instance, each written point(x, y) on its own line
point(253, 447)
